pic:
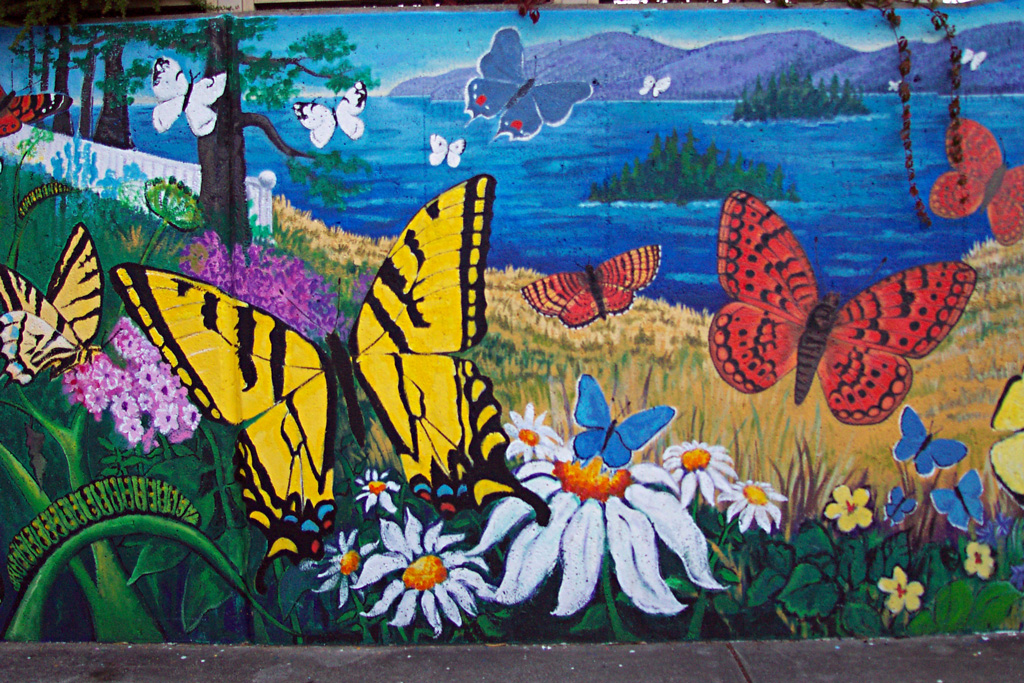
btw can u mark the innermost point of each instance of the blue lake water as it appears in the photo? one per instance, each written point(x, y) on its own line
point(855, 208)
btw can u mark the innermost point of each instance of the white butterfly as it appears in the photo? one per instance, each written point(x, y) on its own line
point(655, 86)
point(440, 151)
point(321, 121)
point(894, 86)
point(973, 58)
point(177, 93)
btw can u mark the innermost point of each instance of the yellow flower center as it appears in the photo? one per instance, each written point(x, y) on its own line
point(589, 482)
point(349, 562)
point(755, 495)
point(376, 487)
point(696, 459)
point(529, 437)
point(425, 573)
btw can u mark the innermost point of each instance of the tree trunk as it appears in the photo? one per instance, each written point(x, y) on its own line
point(112, 125)
point(62, 121)
point(44, 61)
point(88, 76)
point(222, 152)
point(31, 54)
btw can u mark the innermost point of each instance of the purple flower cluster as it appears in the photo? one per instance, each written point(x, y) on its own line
point(279, 284)
point(144, 397)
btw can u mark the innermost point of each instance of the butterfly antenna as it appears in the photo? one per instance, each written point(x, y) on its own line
point(878, 268)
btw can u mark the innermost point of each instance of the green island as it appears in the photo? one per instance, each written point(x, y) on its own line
point(679, 173)
point(793, 96)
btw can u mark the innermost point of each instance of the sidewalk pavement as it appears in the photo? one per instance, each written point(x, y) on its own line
point(996, 658)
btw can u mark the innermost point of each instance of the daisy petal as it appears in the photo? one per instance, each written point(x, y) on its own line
point(582, 551)
point(632, 545)
point(377, 567)
point(413, 533)
point(648, 473)
point(462, 596)
point(429, 605)
point(342, 594)
point(677, 529)
point(393, 590)
point(386, 502)
point(448, 606)
point(394, 539)
point(406, 611)
point(504, 517)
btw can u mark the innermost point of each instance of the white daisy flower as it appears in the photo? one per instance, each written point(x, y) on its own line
point(531, 438)
point(434, 577)
point(339, 565)
point(376, 491)
point(752, 501)
point(695, 464)
point(595, 512)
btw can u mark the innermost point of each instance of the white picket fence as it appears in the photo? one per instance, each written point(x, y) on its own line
point(88, 165)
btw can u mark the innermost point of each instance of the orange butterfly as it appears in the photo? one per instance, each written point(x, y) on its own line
point(989, 184)
point(17, 110)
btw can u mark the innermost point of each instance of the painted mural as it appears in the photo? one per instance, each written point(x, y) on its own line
point(416, 327)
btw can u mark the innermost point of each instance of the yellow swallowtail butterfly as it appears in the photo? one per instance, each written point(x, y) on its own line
point(1007, 456)
point(54, 330)
point(426, 302)
point(242, 366)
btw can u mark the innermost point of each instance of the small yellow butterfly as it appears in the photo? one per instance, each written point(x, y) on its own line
point(1007, 456)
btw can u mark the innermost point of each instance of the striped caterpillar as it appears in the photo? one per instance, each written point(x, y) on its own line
point(99, 500)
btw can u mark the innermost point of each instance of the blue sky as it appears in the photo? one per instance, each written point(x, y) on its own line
point(400, 44)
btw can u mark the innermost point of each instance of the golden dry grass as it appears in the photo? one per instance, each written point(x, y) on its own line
point(657, 354)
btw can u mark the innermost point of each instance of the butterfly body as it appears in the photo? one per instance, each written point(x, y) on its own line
point(990, 184)
point(524, 104)
point(54, 330)
point(17, 110)
point(778, 321)
point(578, 299)
point(1007, 455)
point(919, 444)
point(178, 94)
point(611, 440)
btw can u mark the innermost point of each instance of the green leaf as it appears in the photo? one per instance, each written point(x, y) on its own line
point(922, 625)
point(861, 620)
point(594, 619)
point(808, 593)
point(766, 585)
point(812, 540)
point(993, 606)
point(157, 556)
point(204, 591)
point(780, 557)
point(489, 627)
point(292, 584)
point(680, 584)
point(853, 566)
point(953, 606)
point(726, 605)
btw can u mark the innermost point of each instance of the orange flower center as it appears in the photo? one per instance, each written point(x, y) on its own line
point(376, 487)
point(901, 590)
point(589, 482)
point(529, 437)
point(349, 562)
point(850, 507)
point(425, 573)
point(755, 495)
point(696, 459)
point(977, 558)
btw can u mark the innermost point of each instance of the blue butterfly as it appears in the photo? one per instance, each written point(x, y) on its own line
point(963, 502)
point(927, 451)
point(899, 506)
point(503, 87)
point(613, 441)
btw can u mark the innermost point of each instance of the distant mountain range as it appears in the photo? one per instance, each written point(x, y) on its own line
point(618, 62)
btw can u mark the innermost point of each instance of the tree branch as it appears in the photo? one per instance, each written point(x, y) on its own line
point(263, 123)
point(287, 61)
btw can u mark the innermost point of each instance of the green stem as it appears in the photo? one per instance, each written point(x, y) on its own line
point(152, 242)
point(618, 630)
point(697, 619)
point(26, 625)
point(363, 624)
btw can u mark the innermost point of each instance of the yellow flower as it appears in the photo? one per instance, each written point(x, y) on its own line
point(850, 509)
point(979, 560)
point(902, 595)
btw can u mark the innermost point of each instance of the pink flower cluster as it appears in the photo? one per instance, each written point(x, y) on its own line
point(144, 397)
point(278, 283)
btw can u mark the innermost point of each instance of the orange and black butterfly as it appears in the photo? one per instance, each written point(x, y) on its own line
point(17, 110)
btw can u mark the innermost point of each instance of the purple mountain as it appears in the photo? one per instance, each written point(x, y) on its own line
point(616, 63)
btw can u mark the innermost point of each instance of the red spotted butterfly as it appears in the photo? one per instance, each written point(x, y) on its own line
point(525, 105)
point(578, 299)
point(990, 185)
point(17, 110)
point(778, 321)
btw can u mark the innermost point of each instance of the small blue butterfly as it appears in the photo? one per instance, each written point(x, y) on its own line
point(927, 452)
point(525, 106)
point(963, 502)
point(899, 506)
point(613, 441)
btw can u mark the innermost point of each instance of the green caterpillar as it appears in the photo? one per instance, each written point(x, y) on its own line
point(94, 502)
point(41, 193)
